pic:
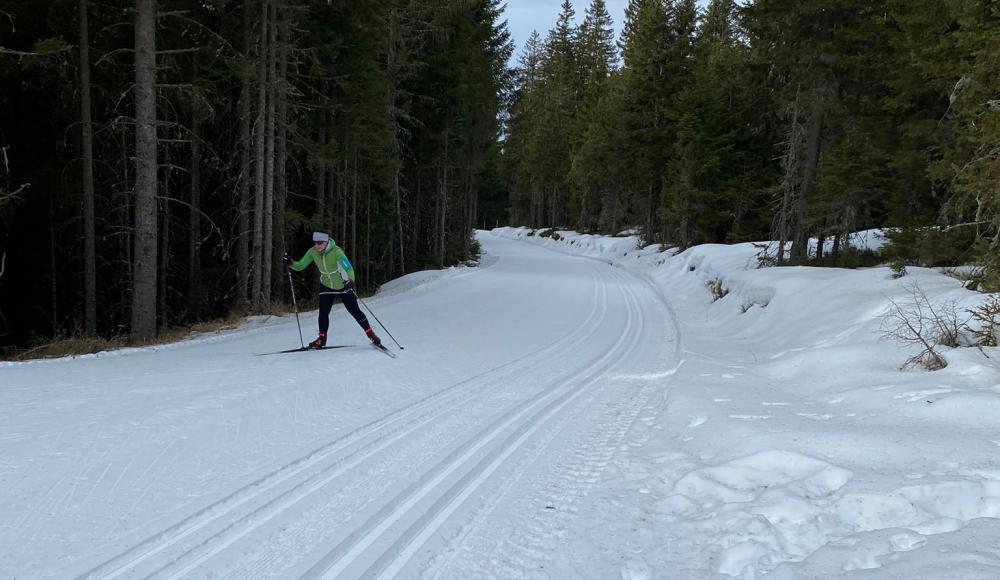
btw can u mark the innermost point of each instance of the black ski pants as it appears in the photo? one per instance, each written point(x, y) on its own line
point(350, 300)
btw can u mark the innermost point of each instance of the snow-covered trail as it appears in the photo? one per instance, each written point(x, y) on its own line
point(468, 456)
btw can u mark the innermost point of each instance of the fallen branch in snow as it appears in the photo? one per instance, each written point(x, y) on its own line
point(920, 323)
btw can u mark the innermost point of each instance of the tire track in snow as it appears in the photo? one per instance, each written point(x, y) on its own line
point(297, 475)
point(523, 421)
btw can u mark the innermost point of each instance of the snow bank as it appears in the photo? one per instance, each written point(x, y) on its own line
point(788, 443)
point(421, 280)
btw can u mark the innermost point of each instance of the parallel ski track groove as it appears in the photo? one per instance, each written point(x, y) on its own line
point(431, 406)
point(405, 549)
point(540, 408)
point(587, 461)
point(217, 543)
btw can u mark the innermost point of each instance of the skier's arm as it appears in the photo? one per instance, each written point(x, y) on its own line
point(303, 263)
point(344, 266)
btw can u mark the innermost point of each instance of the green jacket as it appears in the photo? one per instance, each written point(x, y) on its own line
point(334, 267)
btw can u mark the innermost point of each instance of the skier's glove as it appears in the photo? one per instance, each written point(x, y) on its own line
point(349, 286)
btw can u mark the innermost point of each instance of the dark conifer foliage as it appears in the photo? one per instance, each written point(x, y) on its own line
point(767, 119)
point(376, 120)
point(397, 126)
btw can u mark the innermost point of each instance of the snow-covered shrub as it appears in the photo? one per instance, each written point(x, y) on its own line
point(717, 289)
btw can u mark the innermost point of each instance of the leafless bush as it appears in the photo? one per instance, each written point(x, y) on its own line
point(926, 325)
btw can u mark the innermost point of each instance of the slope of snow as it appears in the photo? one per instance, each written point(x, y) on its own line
point(587, 412)
point(789, 443)
point(202, 459)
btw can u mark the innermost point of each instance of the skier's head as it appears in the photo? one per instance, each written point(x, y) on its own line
point(322, 241)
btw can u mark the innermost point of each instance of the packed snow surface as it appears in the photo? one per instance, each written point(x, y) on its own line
point(574, 408)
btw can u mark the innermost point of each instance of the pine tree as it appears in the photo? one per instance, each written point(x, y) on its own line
point(590, 157)
point(522, 155)
point(559, 98)
point(703, 181)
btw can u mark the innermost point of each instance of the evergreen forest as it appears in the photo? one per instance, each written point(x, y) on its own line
point(158, 157)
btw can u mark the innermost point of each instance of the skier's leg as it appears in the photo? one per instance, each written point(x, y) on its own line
point(351, 304)
point(325, 304)
point(350, 301)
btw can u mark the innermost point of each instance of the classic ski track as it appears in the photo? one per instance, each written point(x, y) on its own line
point(566, 480)
point(571, 480)
point(447, 398)
point(525, 418)
point(221, 541)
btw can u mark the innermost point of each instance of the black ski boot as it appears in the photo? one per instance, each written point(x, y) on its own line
point(373, 337)
point(320, 341)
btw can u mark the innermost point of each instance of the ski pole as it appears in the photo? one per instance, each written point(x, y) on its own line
point(294, 304)
point(379, 321)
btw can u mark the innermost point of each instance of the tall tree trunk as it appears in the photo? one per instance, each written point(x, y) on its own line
point(345, 180)
point(332, 187)
point(443, 203)
point(144, 274)
point(789, 183)
point(194, 226)
point(392, 73)
point(87, 144)
point(53, 271)
point(469, 225)
point(260, 131)
point(321, 195)
point(124, 215)
point(268, 247)
point(368, 235)
point(281, 147)
point(246, 145)
point(164, 255)
point(810, 170)
point(354, 204)
point(418, 236)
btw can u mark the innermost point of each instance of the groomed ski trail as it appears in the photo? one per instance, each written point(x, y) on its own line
point(416, 489)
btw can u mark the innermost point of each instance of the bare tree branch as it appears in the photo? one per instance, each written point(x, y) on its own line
point(8, 197)
point(10, 17)
point(966, 224)
point(22, 53)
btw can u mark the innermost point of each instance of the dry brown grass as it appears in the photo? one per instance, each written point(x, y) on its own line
point(81, 345)
point(67, 346)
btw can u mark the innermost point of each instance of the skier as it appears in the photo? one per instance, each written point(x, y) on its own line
point(336, 278)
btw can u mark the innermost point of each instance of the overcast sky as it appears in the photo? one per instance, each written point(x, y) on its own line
point(523, 16)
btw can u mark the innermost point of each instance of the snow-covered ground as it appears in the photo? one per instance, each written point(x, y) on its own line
point(788, 443)
point(587, 412)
